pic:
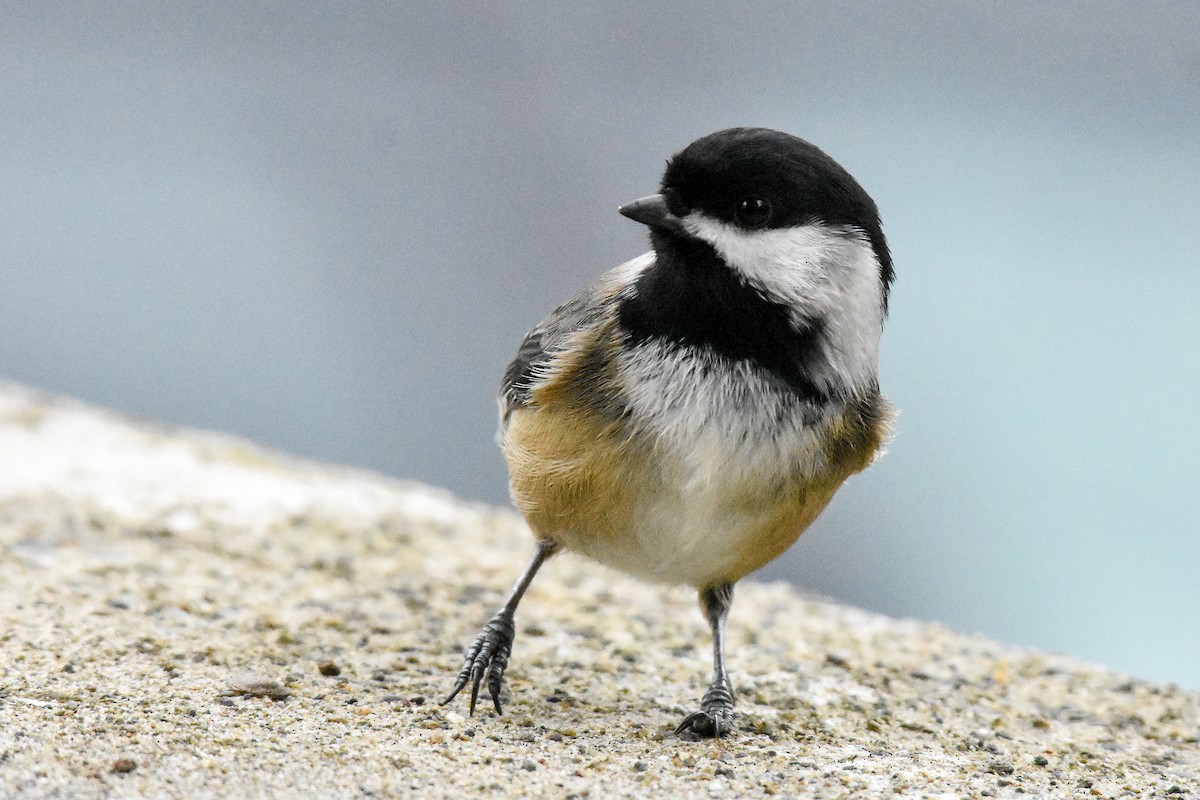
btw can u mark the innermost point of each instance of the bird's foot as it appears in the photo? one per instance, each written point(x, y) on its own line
point(487, 655)
point(715, 717)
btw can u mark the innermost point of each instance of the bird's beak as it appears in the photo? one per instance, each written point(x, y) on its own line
point(653, 212)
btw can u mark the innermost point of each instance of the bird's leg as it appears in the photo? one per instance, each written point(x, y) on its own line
point(715, 717)
point(488, 654)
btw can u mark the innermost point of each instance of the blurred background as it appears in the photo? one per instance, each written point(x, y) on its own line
point(326, 226)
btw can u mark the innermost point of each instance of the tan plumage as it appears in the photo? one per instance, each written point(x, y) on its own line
point(589, 483)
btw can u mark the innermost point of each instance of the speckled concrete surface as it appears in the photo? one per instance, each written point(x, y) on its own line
point(185, 615)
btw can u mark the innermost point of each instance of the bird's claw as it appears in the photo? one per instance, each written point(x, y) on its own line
point(713, 720)
point(487, 656)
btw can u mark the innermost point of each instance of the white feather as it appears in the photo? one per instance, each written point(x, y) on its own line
point(719, 429)
point(822, 272)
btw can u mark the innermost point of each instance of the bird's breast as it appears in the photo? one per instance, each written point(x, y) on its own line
point(711, 471)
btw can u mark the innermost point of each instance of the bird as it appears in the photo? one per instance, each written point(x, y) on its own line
point(688, 415)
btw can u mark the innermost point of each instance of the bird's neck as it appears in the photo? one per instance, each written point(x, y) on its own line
point(689, 296)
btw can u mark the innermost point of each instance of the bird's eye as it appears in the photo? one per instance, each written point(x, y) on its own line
point(752, 212)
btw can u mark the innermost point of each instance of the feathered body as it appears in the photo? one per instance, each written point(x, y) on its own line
point(686, 417)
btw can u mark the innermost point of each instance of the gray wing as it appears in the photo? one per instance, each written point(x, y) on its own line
point(551, 336)
point(542, 343)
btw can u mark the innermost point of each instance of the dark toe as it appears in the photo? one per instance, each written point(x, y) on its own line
point(705, 725)
point(486, 657)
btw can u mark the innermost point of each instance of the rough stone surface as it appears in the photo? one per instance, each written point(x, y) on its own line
point(187, 615)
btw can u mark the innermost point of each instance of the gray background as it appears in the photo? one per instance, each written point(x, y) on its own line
point(326, 226)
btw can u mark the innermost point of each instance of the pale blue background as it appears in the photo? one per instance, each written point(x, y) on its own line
point(327, 229)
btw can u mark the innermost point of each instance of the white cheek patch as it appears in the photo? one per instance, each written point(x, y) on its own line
point(787, 263)
point(822, 272)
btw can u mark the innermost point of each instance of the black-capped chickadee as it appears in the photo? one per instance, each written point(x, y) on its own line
point(689, 414)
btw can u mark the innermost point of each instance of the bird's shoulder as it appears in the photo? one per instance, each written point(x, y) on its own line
point(564, 335)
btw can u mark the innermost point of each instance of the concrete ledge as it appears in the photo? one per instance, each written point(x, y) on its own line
point(187, 615)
